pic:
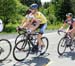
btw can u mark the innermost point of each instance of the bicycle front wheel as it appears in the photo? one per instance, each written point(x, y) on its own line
point(21, 50)
point(61, 46)
point(19, 37)
point(5, 49)
point(72, 47)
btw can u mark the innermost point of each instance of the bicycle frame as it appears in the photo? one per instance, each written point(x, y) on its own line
point(28, 36)
point(29, 40)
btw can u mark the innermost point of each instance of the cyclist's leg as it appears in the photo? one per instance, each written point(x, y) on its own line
point(73, 33)
point(42, 29)
point(26, 25)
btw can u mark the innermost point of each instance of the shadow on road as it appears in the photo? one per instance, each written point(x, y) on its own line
point(36, 61)
point(5, 62)
point(68, 55)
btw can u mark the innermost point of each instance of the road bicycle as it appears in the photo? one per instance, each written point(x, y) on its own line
point(65, 42)
point(28, 43)
point(5, 49)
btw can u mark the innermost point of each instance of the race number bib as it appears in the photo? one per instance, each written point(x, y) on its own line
point(1, 25)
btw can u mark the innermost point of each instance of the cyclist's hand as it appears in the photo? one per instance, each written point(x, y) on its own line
point(60, 30)
point(18, 28)
point(69, 31)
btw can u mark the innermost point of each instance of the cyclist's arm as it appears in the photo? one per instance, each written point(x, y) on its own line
point(73, 27)
point(63, 25)
point(23, 21)
point(26, 22)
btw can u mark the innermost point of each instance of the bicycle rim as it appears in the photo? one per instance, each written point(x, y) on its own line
point(20, 53)
point(5, 49)
point(46, 43)
point(61, 46)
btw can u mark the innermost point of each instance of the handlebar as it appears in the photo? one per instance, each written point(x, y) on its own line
point(24, 30)
point(20, 30)
point(61, 31)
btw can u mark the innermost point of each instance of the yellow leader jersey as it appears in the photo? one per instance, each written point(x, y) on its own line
point(40, 16)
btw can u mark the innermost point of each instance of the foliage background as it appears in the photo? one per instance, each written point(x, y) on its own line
point(13, 11)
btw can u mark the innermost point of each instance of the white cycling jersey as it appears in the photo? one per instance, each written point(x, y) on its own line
point(29, 16)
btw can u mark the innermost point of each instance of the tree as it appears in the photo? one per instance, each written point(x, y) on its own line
point(66, 7)
point(73, 5)
point(10, 10)
point(63, 7)
point(7, 9)
point(29, 2)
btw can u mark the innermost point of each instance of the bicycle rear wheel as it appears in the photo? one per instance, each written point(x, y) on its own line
point(21, 50)
point(61, 46)
point(5, 49)
point(46, 43)
point(20, 37)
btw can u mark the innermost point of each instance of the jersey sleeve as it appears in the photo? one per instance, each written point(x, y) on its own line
point(42, 17)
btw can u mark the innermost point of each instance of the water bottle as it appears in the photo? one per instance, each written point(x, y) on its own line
point(34, 40)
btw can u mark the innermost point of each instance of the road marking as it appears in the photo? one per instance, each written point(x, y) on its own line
point(49, 63)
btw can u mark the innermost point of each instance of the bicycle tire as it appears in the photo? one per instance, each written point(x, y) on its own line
point(16, 40)
point(22, 54)
point(47, 41)
point(72, 47)
point(8, 42)
point(61, 53)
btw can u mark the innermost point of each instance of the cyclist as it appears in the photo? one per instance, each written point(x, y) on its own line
point(37, 21)
point(71, 22)
point(39, 17)
point(1, 25)
point(29, 22)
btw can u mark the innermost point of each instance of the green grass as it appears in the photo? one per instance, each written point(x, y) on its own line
point(54, 27)
point(10, 28)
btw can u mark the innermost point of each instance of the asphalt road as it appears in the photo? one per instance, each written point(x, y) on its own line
point(51, 58)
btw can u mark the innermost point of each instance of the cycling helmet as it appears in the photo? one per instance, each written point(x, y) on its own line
point(34, 6)
point(69, 14)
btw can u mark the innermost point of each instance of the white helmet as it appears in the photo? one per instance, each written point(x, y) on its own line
point(69, 14)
